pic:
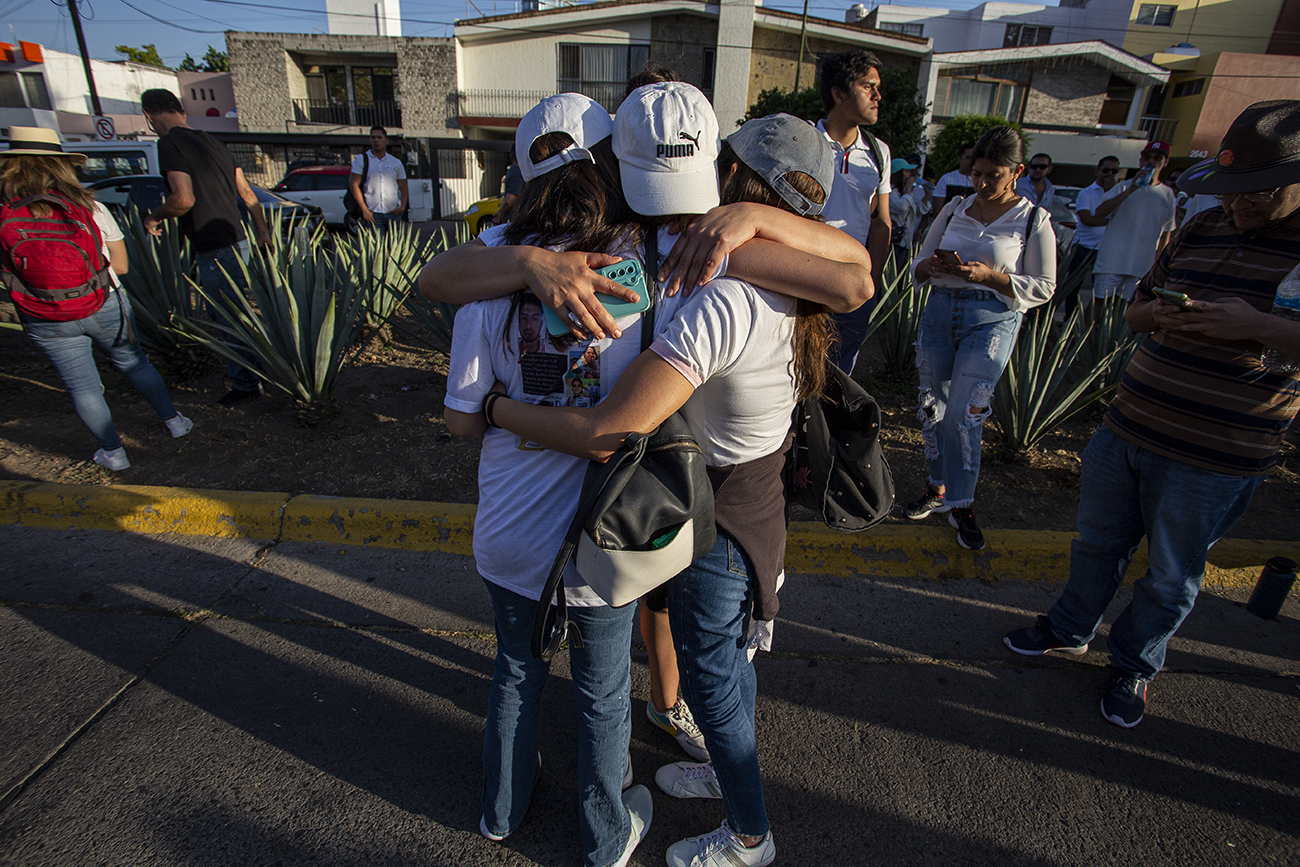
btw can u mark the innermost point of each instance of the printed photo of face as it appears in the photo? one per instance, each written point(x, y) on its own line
point(530, 325)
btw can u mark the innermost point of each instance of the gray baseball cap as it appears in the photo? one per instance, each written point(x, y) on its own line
point(775, 145)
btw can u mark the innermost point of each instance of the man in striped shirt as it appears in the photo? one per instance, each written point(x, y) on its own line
point(1198, 418)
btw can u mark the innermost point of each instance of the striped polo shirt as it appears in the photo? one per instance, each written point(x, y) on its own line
point(1206, 402)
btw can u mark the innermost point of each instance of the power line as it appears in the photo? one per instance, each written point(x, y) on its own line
point(165, 21)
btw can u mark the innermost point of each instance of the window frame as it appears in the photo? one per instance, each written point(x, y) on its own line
point(1155, 13)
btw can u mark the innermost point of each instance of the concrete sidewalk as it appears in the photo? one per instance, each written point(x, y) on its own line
point(241, 697)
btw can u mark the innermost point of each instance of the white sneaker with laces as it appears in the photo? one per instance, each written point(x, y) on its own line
point(679, 723)
point(722, 848)
point(689, 780)
point(115, 460)
point(640, 810)
point(179, 425)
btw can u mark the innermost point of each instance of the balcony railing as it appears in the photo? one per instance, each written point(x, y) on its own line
point(512, 104)
point(1158, 128)
point(324, 111)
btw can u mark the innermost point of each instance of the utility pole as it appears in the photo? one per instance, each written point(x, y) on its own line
point(798, 67)
point(85, 57)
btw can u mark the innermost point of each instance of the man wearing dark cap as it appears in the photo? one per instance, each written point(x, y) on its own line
point(1141, 213)
point(1198, 418)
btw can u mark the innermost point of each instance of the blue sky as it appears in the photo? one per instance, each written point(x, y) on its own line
point(112, 22)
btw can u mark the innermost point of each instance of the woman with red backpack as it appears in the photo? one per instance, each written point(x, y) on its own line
point(60, 254)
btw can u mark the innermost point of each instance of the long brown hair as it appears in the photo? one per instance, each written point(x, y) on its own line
point(578, 206)
point(814, 335)
point(24, 176)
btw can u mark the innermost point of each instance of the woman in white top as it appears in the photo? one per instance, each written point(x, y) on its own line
point(989, 258)
point(36, 164)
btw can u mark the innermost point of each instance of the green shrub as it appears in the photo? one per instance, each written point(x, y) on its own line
point(957, 131)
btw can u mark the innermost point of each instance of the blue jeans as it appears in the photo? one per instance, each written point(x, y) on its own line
point(70, 347)
point(852, 330)
point(708, 608)
point(220, 289)
point(1129, 492)
point(962, 346)
point(602, 689)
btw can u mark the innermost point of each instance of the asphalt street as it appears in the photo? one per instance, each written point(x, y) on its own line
point(195, 700)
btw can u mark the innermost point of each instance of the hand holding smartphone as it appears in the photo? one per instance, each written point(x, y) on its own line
point(626, 273)
point(1171, 297)
point(949, 258)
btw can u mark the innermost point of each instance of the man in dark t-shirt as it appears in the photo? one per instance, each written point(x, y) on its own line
point(204, 191)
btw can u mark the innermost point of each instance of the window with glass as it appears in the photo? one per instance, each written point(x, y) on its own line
point(11, 91)
point(598, 71)
point(1189, 88)
point(1026, 34)
point(1153, 15)
point(709, 66)
point(990, 90)
point(906, 28)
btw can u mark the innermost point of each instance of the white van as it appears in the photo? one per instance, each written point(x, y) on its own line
point(111, 159)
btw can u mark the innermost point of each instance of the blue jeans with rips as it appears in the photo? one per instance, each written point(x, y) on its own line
point(1129, 492)
point(962, 346)
point(220, 289)
point(70, 347)
point(709, 606)
point(602, 689)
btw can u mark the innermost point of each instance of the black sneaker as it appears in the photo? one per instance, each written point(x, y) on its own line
point(1039, 639)
point(929, 503)
point(1125, 699)
point(236, 396)
point(968, 532)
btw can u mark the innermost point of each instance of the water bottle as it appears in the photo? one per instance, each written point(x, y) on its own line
point(1286, 303)
point(1143, 178)
point(1275, 582)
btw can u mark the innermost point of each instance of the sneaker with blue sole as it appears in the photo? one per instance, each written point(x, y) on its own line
point(679, 723)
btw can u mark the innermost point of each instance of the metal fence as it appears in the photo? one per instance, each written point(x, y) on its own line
point(496, 103)
point(1158, 128)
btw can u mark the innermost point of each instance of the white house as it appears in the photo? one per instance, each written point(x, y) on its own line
point(1002, 25)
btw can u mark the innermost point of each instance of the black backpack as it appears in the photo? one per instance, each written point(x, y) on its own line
point(837, 467)
point(350, 204)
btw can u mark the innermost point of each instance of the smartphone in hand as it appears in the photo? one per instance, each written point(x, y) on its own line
point(626, 273)
point(949, 258)
point(1169, 296)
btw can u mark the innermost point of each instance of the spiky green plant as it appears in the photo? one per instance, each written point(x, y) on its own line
point(1111, 335)
point(436, 317)
point(1042, 387)
point(390, 260)
point(298, 317)
point(897, 316)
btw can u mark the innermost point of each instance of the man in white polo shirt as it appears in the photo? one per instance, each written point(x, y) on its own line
point(378, 182)
point(1087, 235)
point(859, 196)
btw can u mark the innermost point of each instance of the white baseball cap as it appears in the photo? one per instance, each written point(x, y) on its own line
point(582, 118)
point(666, 141)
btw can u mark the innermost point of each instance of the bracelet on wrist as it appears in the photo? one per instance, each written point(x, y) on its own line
point(488, 401)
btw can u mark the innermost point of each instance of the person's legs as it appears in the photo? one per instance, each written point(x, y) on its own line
point(935, 353)
point(602, 689)
point(709, 605)
point(1186, 510)
point(852, 330)
point(113, 329)
point(510, 735)
point(71, 351)
point(222, 291)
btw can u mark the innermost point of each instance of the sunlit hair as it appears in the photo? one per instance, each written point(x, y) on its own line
point(814, 334)
point(1002, 146)
point(27, 176)
point(651, 73)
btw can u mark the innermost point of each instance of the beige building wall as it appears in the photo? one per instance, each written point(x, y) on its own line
point(1210, 25)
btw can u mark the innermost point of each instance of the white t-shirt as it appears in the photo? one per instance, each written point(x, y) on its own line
point(527, 494)
point(953, 184)
point(1200, 202)
point(381, 192)
point(109, 230)
point(1089, 198)
point(1129, 245)
point(857, 181)
point(734, 344)
point(1002, 246)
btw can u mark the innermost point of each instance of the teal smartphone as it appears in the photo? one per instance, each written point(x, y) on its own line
point(1171, 296)
point(626, 273)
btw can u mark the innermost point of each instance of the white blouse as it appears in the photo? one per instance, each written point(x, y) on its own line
point(1001, 245)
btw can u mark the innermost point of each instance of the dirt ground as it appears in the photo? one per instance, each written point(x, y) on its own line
point(389, 441)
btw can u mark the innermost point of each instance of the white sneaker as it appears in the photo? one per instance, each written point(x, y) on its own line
point(640, 810)
point(482, 820)
point(722, 848)
point(114, 460)
point(689, 780)
point(179, 425)
point(679, 723)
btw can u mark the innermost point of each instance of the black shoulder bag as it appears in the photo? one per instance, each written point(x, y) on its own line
point(350, 203)
point(644, 515)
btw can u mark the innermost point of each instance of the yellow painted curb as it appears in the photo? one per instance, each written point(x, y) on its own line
point(141, 509)
point(410, 524)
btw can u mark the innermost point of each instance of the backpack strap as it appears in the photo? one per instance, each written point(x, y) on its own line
point(873, 146)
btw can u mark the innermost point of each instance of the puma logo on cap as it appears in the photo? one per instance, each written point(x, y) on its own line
point(670, 151)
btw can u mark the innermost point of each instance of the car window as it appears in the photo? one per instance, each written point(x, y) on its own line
point(113, 194)
point(331, 182)
point(110, 164)
point(298, 183)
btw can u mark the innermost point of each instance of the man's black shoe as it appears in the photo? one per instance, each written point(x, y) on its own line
point(239, 395)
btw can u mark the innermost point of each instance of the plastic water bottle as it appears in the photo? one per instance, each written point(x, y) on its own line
point(1143, 178)
point(1286, 303)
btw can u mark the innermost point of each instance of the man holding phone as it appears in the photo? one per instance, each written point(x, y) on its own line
point(1198, 419)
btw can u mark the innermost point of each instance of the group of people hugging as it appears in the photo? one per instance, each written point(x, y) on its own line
point(743, 279)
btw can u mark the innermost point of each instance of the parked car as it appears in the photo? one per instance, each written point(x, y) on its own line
point(1064, 220)
point(147, 192)
point(321, 187)
point(482, 214)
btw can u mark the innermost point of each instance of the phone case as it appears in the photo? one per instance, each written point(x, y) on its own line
point(626, 273)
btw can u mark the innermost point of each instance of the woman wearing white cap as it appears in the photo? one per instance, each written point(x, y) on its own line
point(733, 359)
point(527, 494)
point(42, 195)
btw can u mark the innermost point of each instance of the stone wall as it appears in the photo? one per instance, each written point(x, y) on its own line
point(426, 76)
point(1067, 95)
point(260, 80)
point(679, 42)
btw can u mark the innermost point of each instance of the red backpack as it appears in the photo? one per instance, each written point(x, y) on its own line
point(54, 266)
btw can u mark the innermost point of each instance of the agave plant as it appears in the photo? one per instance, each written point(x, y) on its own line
point(897, 316)
point(1111, 335)
point(1042, 387)
point(389, 260)
point(437, 317)
point(159, 287)
point(300, 314)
